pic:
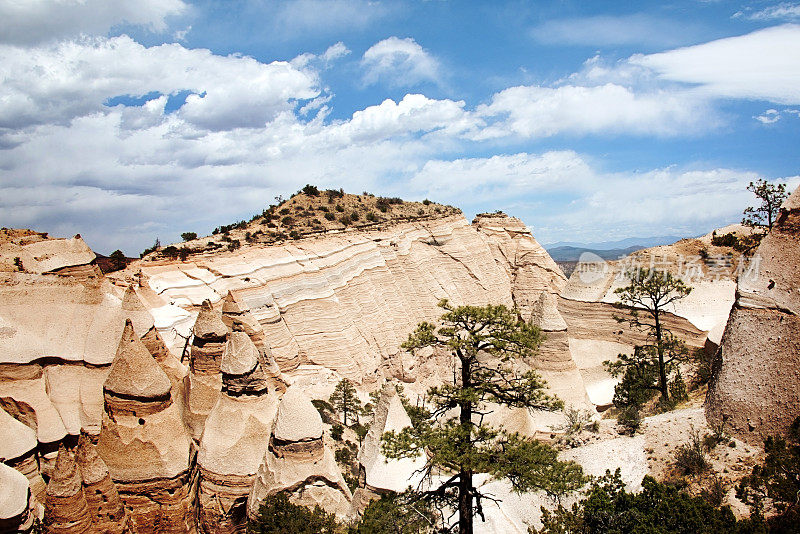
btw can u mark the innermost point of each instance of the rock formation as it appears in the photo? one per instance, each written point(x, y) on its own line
point(102, 498)
point(143, 441)
point(234, 439)
point(18, 450)
point(239, 319)
point(756, 386)
point(16, 501)
point(377, 474)
point(298, 462)
point(204, 381)
point(65, 509)
point(554, 353)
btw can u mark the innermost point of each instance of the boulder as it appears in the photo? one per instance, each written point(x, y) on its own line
point(16, 501)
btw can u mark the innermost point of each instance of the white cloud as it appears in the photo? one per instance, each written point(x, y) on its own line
point(58, 82)
point(335, 51)
point(606, 30)
point(561, 194)
point(32, 21)
point(783, 11)
point(771, 116)
point(763, 65)
point(533, 111)
point(399, 62)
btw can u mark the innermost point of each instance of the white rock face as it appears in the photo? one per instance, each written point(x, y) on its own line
point(16, 508)
point(297, 461)
point(382, 474)
point(364, 291)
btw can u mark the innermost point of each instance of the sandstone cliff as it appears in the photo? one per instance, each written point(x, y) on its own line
point(756, 387)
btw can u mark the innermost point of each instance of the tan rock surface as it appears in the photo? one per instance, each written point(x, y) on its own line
point(756, 389)
point(301, 465)
point(16, 507)
point(65, 507)
point(144, 443)
point(105, 506)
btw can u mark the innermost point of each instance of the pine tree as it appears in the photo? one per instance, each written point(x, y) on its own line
point(345, 400)
point(647, 296)
point(454, 440)
point(771, 196)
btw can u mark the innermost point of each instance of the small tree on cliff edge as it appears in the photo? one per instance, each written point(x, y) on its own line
point(647, 296)
point(345, 400)
point(454, 440)
point(771, 196)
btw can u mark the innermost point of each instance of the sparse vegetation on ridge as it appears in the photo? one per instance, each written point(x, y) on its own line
point(308, 212)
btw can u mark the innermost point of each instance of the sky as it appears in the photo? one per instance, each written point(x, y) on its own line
point(590, 121)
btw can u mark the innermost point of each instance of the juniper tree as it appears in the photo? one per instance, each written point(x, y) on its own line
point(771, 196)
point(646, 298)
point(345, 400)
point(454, 439)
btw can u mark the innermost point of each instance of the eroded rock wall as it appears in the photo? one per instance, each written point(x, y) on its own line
point(756, 387)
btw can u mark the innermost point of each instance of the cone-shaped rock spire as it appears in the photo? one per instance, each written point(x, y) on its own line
point(105, 506)
point(65, 508)
point(134, 372)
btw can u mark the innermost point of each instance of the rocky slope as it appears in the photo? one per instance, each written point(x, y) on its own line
point(179, 369)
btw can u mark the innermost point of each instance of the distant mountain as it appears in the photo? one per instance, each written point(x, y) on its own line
point(567, 253)
point(641, 242)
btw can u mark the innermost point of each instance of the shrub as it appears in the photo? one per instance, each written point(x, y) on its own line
point(311, 190)
point(336, 432)
point(420, 211)
point(184, 253)
point(278, 515)
point(371, 217)
point(396, 514)
point(18, 263)
point(234, 244)
point(339, 208)
point(118, 260)
point(690, 457)
point(426, 202)
point(629, 420)
point(354, 216)
point(156, 246)
point(726, 240)
point(287, 220)
point(188, 236)
point(329, 216)
point(344, 219)
point(284, 211)
point(344, 456)
point(658, 508)
point(294, 234)
point(324, 209)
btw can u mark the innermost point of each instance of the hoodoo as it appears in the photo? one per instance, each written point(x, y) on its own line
point(377, 474)
point(297, 461)
point(234, 438)
point(143, 441)
point(105, 506)
point(204, 380)
point(65, 509)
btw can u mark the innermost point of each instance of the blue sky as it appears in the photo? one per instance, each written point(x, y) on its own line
point(590, 121)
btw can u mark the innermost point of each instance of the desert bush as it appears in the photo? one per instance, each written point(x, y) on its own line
point(339, 208)
point(329, 216)
point(371, 217)
point(287, 220)
point(311, 190)
point(336, 432)
point(426, 202)
point(354, 216)
point(629, 420)
point(278, 515)
point(188, 236)
point(690, 457)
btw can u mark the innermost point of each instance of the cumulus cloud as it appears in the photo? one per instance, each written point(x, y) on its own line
point(34, 21)
point(762, 65)
point(562, 194)
point(399, 62)
point(786, 11)
point(534, 111)
point(771, 116)
point(61, 81)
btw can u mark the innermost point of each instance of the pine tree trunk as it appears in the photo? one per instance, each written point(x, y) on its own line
point(662, 368)
point(465, 474)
